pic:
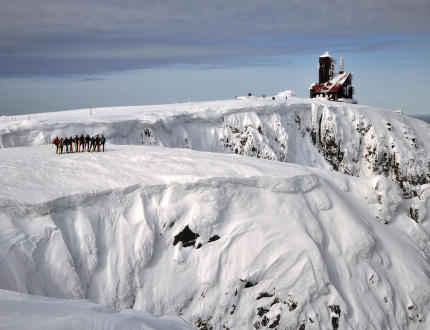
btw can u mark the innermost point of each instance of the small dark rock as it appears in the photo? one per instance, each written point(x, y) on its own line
point(186, 236)
point(275, 301)
point(264, 295)
point(260, 130)
point(249, 284)
point(276, 322)
point(214, 238)
point(261, 311)
point(257, 324)
point(335, 322)
point(265, 321)
point(414, 214)
point(335, 309)
point(292, 305)
point(302, 326)
point(199, 246)
point(233, 308)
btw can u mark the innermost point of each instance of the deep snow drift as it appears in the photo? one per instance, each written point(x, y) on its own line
point(219, 239)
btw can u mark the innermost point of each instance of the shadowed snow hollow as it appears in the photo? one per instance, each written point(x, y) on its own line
point(220, 240)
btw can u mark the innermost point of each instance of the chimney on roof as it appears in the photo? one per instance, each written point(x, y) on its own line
point(326, 67)
point(341, 65)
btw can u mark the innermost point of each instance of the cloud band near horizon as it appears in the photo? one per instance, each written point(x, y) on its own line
point(59, 37)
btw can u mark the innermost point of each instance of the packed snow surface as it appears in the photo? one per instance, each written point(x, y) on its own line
point(325, 226)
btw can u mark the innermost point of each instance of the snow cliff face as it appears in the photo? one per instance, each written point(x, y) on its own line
point(246, 243)
point(220, 239)
point(351, 139)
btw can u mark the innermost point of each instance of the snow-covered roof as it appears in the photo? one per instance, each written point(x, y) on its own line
point(326, 54)
point(333, 85)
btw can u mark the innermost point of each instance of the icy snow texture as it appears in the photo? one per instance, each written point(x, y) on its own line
point(297, 245)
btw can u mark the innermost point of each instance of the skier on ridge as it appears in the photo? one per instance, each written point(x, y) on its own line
point(103, 141)
point(66, 144)
point(76, 143)
point(93, 144)
point(81, 143)
point(57, 143)
point(98, 142)
point(87, 142)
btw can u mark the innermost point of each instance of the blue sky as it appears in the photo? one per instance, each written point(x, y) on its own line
point(58, 54)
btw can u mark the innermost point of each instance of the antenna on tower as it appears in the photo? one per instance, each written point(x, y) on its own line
point(341, 65)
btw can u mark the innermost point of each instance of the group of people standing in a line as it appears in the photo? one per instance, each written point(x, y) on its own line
point(80, 144)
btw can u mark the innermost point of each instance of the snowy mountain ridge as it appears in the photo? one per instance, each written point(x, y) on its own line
point(355, 140)
point(222, 240)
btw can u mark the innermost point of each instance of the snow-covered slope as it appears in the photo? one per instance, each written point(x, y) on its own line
point(221, 240)
point(279, 245)
point(21, 311)
point(352, 139)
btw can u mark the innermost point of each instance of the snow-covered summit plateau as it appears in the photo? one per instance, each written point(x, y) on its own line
point(324, 226)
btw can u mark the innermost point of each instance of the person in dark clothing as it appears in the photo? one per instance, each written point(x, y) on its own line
point(76, 143)
point(98, 143)
point(71, 144)
point(81, 143)
point(61, 145)
point(87, 141)
point(66, 144)
point(103, 141)
point(57, 143)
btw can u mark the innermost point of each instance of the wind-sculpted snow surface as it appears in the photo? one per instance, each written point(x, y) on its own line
point(354, 140)
point(223, 241)
point(20, 311)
